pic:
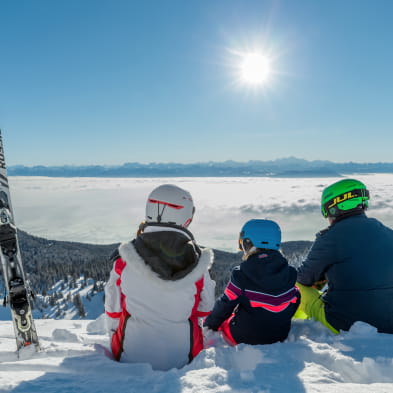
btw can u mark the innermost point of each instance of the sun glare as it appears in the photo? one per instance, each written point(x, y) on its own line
point(255, 69)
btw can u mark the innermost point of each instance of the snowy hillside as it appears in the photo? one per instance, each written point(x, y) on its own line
point(73, 359)
point(68, 278)
point(67, 299)
point(73, 356)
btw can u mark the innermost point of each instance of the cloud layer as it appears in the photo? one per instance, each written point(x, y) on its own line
point(107, 210)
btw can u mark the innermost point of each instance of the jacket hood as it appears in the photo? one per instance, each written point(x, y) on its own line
point(139, 268)
point(170, 253)
point(269, 269)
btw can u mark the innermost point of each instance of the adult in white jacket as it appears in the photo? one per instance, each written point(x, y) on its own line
point(160, 286)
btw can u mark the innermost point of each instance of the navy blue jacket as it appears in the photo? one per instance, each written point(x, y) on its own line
point(263, 297)
point(355, 255)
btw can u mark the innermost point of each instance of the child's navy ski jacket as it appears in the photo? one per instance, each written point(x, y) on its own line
point(258, 302)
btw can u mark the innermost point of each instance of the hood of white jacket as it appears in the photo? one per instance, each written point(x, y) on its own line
point(142, 270)
point(171, 253)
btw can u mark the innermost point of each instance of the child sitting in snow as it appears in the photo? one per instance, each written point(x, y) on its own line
point(261, 298)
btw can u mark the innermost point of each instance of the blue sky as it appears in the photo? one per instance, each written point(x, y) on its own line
point(108, 82)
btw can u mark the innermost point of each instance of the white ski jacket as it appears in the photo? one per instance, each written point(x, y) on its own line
point(155, 320)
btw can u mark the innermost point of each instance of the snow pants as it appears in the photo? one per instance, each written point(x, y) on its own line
point(312, 306)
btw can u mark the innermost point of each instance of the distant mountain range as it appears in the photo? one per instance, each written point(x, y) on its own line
point(284, 167)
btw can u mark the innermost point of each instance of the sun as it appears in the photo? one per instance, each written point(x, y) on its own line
point(254, 66)
point(255, 69)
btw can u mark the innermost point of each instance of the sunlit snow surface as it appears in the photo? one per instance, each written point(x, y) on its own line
point(108, 210)
point(73, 360)
point(73, 357)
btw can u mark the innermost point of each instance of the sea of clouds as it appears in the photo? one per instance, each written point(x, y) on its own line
point(109, 210)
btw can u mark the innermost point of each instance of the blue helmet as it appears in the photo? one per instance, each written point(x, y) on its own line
point(261, 233)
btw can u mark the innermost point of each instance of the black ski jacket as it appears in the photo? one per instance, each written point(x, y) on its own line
point(263, 298)
point(355, 255)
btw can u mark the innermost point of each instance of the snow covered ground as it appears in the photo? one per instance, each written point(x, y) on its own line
point(109, 210)
point(73, 356)
point(73, 360)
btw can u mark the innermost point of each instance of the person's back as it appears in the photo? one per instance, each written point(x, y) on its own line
point(264, 317)
point(355, 256)
point(158, 289)
point(260, 299)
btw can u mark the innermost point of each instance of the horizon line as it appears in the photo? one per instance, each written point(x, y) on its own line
point(322, 161)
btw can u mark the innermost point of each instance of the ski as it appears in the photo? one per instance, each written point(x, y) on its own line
point(18, 294)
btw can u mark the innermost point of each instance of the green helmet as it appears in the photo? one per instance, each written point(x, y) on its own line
point(344, 197)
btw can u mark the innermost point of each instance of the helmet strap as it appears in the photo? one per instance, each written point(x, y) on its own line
point(159, 215)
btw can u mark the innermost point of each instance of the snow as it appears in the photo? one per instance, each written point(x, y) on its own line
point(82, 209)
point(74, 358)
point(74, 355)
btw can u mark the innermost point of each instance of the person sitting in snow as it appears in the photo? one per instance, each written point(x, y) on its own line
point(261, 298)
point(160, 286)
point(355, 256)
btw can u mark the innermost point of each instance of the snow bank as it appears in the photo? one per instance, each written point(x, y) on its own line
point(74, 359)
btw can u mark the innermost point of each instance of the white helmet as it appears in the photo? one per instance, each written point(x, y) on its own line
point(170, 204)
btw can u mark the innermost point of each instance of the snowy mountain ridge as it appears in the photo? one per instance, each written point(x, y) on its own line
point(283, 167)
